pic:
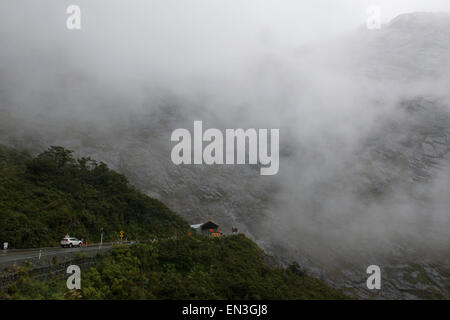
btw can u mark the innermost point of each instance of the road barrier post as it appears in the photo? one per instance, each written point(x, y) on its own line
point(101, 238)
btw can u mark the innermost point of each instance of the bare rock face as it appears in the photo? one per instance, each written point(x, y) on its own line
point(411, 47)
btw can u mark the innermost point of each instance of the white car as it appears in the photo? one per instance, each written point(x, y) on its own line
point(69, 242)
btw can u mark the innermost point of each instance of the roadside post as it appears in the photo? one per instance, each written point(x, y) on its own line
point(101, 238)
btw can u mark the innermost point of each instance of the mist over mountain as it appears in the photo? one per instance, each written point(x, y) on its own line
point(364, 125)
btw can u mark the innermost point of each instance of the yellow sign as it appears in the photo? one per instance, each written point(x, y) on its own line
point(121, 233)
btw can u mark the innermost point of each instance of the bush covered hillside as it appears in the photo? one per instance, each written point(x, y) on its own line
point(45, 197)
point(198, 267)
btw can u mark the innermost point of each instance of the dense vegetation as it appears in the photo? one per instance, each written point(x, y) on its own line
point(45, 197)
point(230, 267)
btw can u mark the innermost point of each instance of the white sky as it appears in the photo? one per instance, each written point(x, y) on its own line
point(292, 21)
point(182, 33)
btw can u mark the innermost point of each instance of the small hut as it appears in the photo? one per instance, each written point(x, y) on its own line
point(208, 229)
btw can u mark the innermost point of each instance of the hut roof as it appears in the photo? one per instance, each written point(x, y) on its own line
point(209, 225)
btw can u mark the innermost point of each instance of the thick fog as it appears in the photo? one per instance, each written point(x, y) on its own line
point(311, 69)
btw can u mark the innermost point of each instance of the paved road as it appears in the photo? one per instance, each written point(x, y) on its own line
point(8, 256)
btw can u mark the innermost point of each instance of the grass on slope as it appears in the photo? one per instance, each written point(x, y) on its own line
point(230, 267)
